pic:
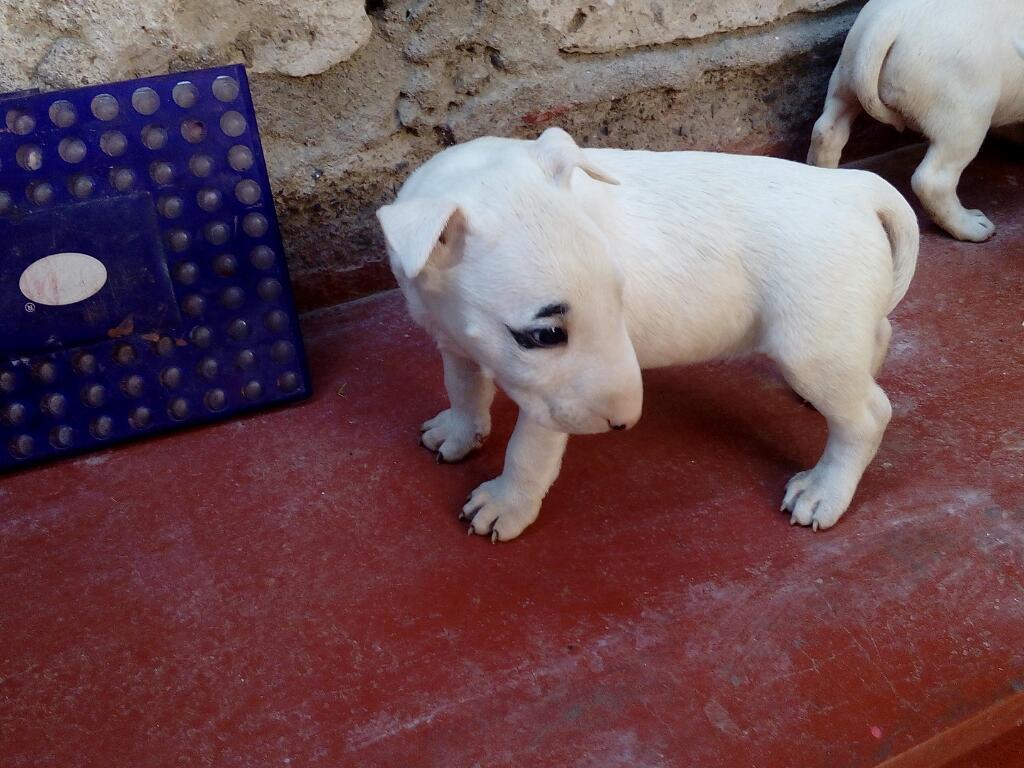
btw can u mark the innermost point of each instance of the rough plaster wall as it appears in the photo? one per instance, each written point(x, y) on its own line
point(352, 96)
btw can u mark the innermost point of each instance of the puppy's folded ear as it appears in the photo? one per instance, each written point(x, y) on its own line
point(559, 155)
point(422, 230)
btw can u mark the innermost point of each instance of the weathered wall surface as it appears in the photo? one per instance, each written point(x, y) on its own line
point(353, 95)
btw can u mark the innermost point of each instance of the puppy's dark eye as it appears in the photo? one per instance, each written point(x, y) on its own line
point(536, 338)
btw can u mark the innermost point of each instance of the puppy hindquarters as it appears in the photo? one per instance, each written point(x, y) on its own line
point(454, 432)
point(830, 356)
point(503, 507)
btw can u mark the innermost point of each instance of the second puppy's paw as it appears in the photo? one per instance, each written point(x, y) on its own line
point(452, 436)
point(972, 226)
point(500, 510)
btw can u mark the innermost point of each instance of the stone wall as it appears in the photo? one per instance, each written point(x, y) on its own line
point(354, 95)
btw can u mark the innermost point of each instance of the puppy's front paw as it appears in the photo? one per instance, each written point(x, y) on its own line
point(500, 510)
point(816, 498)
point(451, 436)
point(973, 226)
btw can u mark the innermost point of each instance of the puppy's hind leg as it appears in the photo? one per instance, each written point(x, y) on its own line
point(955, 141)
point(832, 129)
point(455, 432)
point(882, 338)
point(857, 412)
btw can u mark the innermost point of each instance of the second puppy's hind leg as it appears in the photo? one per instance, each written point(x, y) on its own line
point(832, 130)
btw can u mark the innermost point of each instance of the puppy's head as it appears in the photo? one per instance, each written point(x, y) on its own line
point(508, 267)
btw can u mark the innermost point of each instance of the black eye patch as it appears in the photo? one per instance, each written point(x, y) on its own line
point(540, 338)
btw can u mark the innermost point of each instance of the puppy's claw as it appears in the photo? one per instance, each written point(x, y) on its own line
point(439, 458)
point(469, 531)
point(495, 537)
point(792, 519)
point(814, 525)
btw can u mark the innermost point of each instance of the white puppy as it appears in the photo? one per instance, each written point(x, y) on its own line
point(949, 69)
point(559, 273)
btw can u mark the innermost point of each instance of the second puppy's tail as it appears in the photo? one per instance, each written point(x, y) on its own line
point(900, 224)
point(871, 45)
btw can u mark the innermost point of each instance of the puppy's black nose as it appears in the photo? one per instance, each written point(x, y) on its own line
point(617, 427)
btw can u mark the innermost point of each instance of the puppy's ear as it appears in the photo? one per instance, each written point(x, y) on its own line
point(423, 230)
point(558, 154)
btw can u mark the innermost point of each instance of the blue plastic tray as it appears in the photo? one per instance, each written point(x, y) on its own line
point(176, 307)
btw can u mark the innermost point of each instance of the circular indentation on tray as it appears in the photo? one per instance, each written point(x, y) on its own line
point(247, 192)
point(29, 157)
point(288, 381)
point(71, 150)
point(39, 192)
point(225, 265)
point(62, 436)
point(240, 157)
point(238, 329)
point(104, 107)
point(94, 395)
point(201, 336)
point(208, 368)
point(113, 143)
point(54, 403)
point(245, 359)
point(262, 257)
point(22, 446)
point(193, 131)
point(81, 186)
point(102, 427)
point(140, 417)
point(269, 289)
point(282, 351)
point(232, 297)
point(216, 232)
point(170, 377)
point(170, 206)
point(145, 101)
point(201, 166)
point(252, 390)
point(20, 122)
point(178, 409)
point(276, 320)
point(185, 94)
point(15, 413)
point(122, 179)
point(215, 399)
point(225, 88)
point(85, 362)
point(193, 305)
point(154, 137)
point(186, 273)
point(63, 113)
point(161, 172)
point(232, 123)
point(179, 240)
point(133, 385)
point(255, 224)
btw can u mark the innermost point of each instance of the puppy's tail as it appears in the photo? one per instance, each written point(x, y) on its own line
point(900, 224)
point(870, 51)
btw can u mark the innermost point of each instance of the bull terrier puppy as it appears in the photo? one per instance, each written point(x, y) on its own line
point(557, 273)
point(946, 68)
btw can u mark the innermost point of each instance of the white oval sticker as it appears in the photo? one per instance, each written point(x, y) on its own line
point(62, 278)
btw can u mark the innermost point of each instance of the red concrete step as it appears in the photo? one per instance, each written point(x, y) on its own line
point(294, 589)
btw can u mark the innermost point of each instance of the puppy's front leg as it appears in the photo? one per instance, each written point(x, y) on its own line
point(504, 506)
point(458, 430)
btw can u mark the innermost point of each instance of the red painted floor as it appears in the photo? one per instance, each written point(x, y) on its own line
point(294, 588)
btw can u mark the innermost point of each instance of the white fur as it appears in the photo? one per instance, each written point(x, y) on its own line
point(692, 256)
point(949, 69)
